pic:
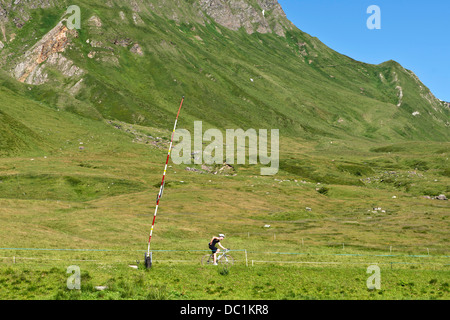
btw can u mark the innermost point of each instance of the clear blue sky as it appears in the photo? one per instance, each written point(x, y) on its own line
point(414, 33)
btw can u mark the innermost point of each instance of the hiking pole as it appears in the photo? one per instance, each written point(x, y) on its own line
point(148, 256)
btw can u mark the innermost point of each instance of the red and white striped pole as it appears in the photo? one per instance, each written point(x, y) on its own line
point(164, 176)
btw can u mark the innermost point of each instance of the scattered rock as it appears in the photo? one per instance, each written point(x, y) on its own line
point(101, 288)
point(194, 170)
point(95, 22)
point(18, 22)
point(226, 166)
point(122, 42)
point(439, 197)
point(137, 19)
point(136, 48)
point(96, 44)
point(206, 168)
point(377, 210)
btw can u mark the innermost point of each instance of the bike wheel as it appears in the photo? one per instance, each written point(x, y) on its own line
point(226, 260)
point(207, 259)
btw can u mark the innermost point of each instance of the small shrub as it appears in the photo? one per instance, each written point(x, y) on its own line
point(224, 271)
point(323, 190)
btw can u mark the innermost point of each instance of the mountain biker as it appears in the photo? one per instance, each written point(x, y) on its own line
point(214, 249)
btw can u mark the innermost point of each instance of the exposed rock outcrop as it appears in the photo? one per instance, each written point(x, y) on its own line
point(400, 96)
point(95, 22)
point(31, 68)
point(236, 14)
point(136, 48)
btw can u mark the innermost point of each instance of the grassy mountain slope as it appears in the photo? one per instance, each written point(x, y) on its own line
point(299, 85)
point(84, 138)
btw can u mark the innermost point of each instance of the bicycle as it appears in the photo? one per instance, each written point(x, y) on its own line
point(223, 258)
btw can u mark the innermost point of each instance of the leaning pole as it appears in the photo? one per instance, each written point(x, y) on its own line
point(148, 254)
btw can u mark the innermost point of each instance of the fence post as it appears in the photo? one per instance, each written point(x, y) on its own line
point(246, 261)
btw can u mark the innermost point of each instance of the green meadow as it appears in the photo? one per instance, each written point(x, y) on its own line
point(79, 173)
point(93, 208)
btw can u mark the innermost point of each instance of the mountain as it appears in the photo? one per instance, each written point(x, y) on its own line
point(240, 63)
point(85, 121)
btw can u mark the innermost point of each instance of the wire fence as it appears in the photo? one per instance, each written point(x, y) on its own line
point(241, 257)
point(434, 265)
point(308, 242)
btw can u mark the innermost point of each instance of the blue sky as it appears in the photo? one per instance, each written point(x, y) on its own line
point(414, 33)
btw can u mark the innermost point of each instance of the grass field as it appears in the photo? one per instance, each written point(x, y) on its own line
point(92, 186)
point(104, 200)
point(187, 281)
point(80, 172)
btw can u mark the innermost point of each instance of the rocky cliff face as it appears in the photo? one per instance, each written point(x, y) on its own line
point(31, 68)
point(264, 17)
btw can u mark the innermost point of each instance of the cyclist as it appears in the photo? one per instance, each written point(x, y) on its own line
point(214, 249)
